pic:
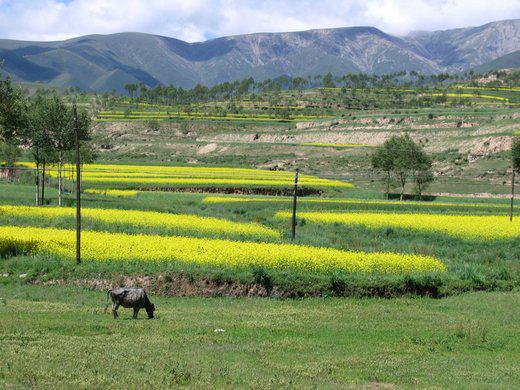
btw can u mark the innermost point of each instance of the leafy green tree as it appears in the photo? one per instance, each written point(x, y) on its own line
point(13, 110)
point(423, 176)
point(328, 81)
point(404, 158)
point(383, 160)
point(13, 120)
point(131, 89)
point(56, 121)
point(410, 159)
point(36, 138)
point(9, 154)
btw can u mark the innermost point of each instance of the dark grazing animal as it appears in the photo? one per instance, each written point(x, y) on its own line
point(134, 298)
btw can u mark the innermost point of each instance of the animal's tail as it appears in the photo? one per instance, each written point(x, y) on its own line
point(108, 302)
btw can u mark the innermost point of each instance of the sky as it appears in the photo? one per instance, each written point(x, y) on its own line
point(199, 20)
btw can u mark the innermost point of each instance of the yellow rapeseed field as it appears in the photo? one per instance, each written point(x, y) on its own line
point(103, 246)
point(193, 176)
point(469, 95)
point(279, 199)
point(118, 193)
point(467, 227)
point(184, 222)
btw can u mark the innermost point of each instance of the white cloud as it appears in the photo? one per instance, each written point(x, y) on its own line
point(194, 20)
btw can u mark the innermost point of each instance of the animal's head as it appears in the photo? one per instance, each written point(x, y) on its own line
point(150, 309)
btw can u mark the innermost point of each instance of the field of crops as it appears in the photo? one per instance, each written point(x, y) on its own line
point(377, 247)
point(136, 176)
point(463, 226)
point(188, 224)
point(100, 246)
point(354, 202)
point(109, 192)
point(110, 116)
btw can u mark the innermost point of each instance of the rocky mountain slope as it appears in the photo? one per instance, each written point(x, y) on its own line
point(106, 62)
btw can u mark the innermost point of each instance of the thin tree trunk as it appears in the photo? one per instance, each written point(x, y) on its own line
point(403, 184)
point(60, 184)
point(37, 183)
point(388, 185)
point(43, 183)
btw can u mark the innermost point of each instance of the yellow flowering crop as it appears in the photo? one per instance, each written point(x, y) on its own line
point(279, 199)
point(467, 227)
point(185, 222)
point(469, 95)
point(118, 193)
point(103, 246)
point(208, 182)
point(194, 176)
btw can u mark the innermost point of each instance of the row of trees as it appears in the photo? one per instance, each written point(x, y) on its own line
point(42, 125)
point(172, 95)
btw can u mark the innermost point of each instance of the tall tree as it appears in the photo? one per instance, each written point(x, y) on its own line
point(383, 160)
point(13, 112)
point(328, 81)
point(37, 139)
point(56, 121)
point(131, 89)
point(410, 158)
point(13, 120)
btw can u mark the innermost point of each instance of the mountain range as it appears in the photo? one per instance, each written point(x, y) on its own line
point(107, 62)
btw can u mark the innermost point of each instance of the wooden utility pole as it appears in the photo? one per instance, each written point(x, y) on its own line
point(295, 197)
point(512, 195)
point(37, 178)
point(78, 186)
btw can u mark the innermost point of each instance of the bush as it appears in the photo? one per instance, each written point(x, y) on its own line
point(11, 248)
point(262, 278)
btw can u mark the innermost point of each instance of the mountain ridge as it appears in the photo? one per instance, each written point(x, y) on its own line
point(105, 62)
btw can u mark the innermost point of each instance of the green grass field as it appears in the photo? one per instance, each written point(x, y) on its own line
point(59, 337)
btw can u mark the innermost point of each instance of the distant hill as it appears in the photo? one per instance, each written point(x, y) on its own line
point(511, 60)
point(106, 62)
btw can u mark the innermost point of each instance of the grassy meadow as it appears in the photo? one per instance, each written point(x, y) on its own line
point(59, 337)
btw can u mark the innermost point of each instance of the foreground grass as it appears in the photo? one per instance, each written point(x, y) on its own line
point(59, 337)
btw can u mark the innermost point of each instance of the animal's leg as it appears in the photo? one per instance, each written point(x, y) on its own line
point(114, 310)
point(136, 312)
